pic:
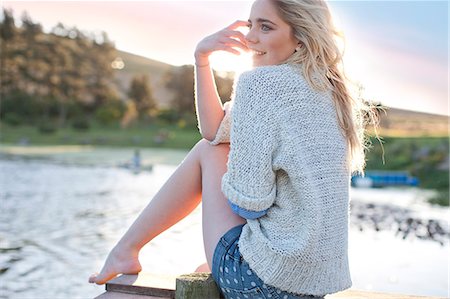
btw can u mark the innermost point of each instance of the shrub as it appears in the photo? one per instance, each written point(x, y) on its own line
point(12, 119)
point(189, 120)
point(81, 124)
point(110, 112)
point(25, 107)
point(47, 127)
point(168, 115)
point(441, 198)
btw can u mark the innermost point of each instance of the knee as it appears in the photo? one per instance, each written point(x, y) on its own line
point(206, 150)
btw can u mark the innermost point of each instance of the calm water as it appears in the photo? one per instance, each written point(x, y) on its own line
point(62, 211)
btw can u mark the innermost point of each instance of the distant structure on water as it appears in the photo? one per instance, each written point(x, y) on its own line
point(373, 179)
point(135, 164)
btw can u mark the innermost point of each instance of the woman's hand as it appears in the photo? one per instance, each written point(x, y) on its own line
point(119, 261)
point(224, 40)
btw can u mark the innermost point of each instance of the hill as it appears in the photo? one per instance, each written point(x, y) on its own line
point(395, 122)
point(404, 123)
point(138, 65)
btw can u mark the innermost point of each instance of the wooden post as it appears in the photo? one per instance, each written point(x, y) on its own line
point(196, 285)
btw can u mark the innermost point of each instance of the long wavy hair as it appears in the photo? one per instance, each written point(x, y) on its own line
point(321, 58)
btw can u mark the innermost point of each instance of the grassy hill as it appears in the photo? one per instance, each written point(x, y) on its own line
point(395, 123)
point(404, 123)
point(138, 65)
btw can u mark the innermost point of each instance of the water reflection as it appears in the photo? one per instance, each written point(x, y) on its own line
point(57, 218)
point(61, 214)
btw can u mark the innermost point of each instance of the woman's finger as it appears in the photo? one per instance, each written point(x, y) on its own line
point(229, 49)
point(236, 34)
point(234, 43)
point(241, 37)
point(227, 36)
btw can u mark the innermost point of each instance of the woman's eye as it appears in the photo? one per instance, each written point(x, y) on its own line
point(265, 27)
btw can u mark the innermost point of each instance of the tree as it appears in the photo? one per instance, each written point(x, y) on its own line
point(31, 28)
point(140, 92)
point(60, 71)
point(8, 31)
point(224, 83)
point(7, 27)
point(181, 81)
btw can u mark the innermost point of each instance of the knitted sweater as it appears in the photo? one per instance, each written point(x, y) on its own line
point(288, 155)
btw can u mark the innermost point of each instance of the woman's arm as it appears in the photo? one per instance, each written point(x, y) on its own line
point(250, 180)
point(207, 102)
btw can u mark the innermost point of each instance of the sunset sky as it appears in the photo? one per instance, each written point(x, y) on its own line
point(397, 50)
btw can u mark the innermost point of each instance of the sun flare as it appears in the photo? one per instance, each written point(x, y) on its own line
point(227, 62)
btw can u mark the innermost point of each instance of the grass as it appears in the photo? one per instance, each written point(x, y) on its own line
point(421, 156)
point(441, 199)
point(137, 136)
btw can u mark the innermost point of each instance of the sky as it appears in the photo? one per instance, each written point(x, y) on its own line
point(397, 50)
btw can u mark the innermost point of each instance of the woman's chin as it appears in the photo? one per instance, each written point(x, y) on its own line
point(257, 63)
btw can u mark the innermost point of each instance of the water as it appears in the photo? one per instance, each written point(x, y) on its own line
point(62, 211)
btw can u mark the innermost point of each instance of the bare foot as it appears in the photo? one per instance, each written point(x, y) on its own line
point(119, 261)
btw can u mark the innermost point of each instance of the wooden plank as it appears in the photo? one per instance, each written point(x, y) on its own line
point(147, 286)
point(115, 295)
point(356, 294)
point(144, 284)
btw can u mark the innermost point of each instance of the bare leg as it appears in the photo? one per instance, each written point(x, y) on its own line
point(204, 165)
point(218, 217)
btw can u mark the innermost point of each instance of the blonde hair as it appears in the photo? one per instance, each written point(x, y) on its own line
point(321, 58)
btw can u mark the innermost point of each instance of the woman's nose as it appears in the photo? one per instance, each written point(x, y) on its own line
point(251, 37)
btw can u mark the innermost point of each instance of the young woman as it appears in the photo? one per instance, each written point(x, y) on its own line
point(273, 169)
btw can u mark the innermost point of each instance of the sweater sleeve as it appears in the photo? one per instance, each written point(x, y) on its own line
point(249, 181)
point(223, 133)
point(246, 213)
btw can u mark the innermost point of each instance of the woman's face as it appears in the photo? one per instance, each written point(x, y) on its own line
point(270, 38)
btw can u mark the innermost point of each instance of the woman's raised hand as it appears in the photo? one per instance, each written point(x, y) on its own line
point(226, 39)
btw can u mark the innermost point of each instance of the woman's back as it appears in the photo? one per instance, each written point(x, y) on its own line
point(288, 154)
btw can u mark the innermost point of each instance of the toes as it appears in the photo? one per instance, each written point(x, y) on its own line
point(93, 277)
point(102, 278)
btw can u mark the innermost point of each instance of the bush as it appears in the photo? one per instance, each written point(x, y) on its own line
point(81, 124)
point(51, 106)
point(74, 110)
point(47, 127)
point(110, 112)
point(441, 198)
point(189, 120)
point(25, 107)
point(12, 119)
point(168, 115)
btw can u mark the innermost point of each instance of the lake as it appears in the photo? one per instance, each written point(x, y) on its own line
point(63, 209)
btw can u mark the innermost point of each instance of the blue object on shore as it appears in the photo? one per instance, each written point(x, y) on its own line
point(384, 178)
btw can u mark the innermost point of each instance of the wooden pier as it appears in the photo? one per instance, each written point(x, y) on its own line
point(202, 286)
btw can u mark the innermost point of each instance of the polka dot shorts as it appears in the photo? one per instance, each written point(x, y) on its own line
point(235, 278)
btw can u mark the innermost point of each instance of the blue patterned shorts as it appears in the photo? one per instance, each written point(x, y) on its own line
point(235, 278)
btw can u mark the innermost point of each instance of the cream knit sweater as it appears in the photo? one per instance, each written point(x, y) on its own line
point(287, 153)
